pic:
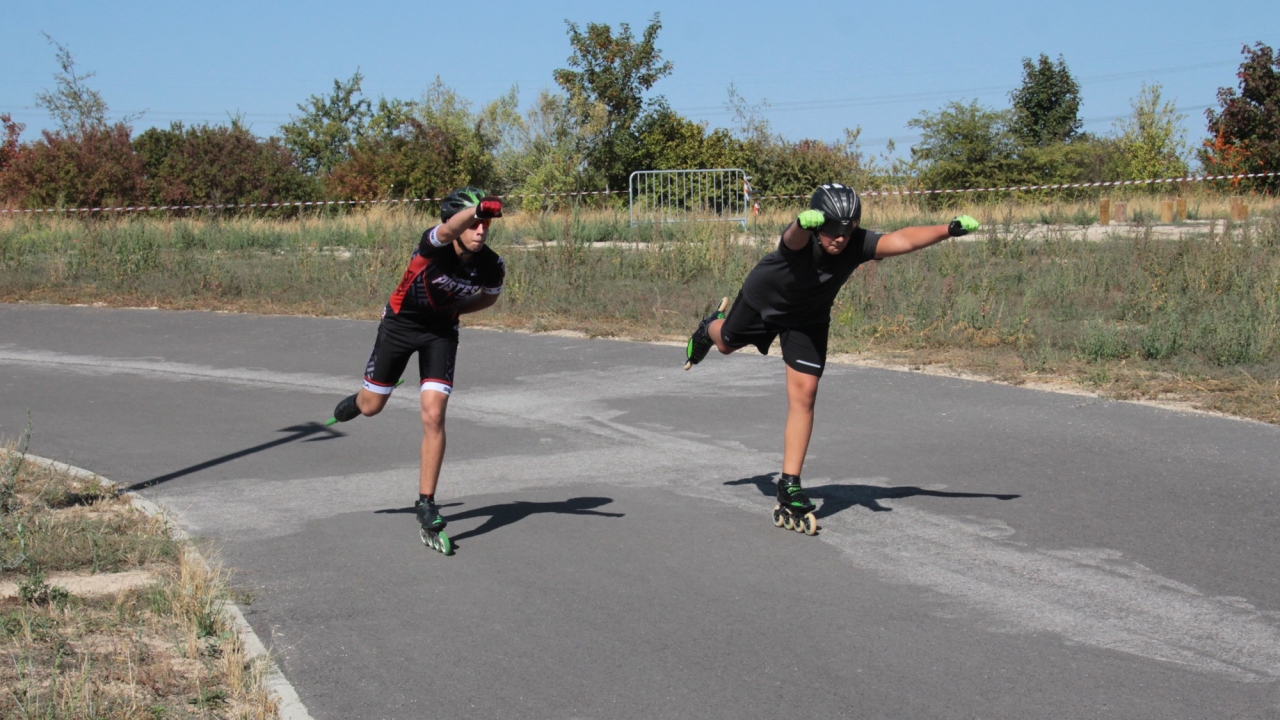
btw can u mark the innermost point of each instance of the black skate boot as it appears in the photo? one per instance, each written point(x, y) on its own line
point(346, 410)
point(700, 342)
point(432, 526)
point(794, 510)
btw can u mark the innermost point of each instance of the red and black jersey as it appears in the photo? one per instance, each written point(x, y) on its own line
point(437, 280)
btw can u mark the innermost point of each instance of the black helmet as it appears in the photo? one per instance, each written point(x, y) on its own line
point(459, 200)
point(840, 205)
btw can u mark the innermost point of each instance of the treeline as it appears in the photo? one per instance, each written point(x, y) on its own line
point(599, 126)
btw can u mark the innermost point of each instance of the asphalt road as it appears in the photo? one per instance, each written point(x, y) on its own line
point(986, 551)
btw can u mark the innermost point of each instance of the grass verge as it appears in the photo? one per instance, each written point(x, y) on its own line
point(1132, 313)
point(160, 649)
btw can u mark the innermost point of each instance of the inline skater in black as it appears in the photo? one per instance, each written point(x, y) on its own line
point(451, 273)
point(788, 295)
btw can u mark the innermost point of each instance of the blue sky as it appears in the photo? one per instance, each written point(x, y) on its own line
point(823, 65)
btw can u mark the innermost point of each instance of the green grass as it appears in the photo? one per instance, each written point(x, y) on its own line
point(1206, 307)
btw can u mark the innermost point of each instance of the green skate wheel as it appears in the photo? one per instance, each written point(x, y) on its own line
point(445, 544)
point(777, 516)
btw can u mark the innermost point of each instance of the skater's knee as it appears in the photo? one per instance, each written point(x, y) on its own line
point(370, 403)
point(433, 419)
point(433, 413)
point(802, 390)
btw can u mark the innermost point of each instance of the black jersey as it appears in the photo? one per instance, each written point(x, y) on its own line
point(794, 288)
point(437, 280)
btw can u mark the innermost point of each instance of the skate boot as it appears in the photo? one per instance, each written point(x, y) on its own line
point(794, 510)
point(700, 342)
point(346, 410)
point(432, 527)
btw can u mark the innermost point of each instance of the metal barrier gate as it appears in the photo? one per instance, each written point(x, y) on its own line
point(662, 196)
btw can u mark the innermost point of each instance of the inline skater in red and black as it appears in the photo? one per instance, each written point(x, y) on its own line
point(788, 295)
point(451, 273)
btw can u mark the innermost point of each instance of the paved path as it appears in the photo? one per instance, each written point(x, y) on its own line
point(986, 551)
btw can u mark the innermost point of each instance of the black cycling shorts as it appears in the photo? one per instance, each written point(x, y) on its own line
point(437, 350)
point(804, 348)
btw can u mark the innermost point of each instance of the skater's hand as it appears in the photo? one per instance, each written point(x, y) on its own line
point(962, 225)
point(811, 219)
point(489, 207)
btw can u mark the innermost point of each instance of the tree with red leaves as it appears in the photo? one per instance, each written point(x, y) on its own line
point(1245, 133)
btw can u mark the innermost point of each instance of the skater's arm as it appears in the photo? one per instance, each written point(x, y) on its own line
point(910, 239)
point(477, 302)
point(796, 237)
point(451, 230)
point(488, 208)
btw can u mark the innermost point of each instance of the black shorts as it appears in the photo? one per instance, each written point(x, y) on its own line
point(804, 348)
point(437, 350)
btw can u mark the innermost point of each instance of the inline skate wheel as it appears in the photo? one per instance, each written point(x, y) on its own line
point(444, 544)
point(809, 524)
point(778, 516)
point(787, 521)
point(798, 525)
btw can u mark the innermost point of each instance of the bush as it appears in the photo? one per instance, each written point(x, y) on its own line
point(218, 164)
point(95, 168)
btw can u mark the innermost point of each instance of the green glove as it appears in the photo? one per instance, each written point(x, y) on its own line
point(962, 225)
point(811, 219)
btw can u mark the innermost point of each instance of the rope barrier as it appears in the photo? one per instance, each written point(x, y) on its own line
point(1060, 186)
point(870, 193)
point(300, 203)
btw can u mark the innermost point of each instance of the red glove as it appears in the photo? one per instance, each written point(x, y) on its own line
point(490, 207)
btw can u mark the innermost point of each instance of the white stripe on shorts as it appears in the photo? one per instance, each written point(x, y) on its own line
point(380, 389)
point(437, 386)
point(802, 362)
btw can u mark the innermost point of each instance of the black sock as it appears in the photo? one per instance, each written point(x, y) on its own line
point(427, 499)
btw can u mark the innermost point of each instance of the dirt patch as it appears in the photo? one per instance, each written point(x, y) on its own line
point(86, 585)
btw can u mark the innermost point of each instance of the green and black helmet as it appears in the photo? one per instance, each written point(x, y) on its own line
point(459, 200)
point(841, 207)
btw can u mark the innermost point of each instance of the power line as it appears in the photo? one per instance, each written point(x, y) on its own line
point(841, 103)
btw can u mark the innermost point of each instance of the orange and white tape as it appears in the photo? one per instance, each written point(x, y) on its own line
point(1060, 186)
point(300, 203)
point(869, 193)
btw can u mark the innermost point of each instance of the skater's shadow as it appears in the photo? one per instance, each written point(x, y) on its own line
point(837, 498)
point(310, 432)
point(507, 513)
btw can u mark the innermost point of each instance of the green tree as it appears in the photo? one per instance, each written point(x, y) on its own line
point(1151, 140)
point(547, 150)
point(329, 127)
point(1046, 107)
point(1245, 132)
point(669, 141)
point(614, 71)
point(966, 146)
point(75, 107)
point(425, 148)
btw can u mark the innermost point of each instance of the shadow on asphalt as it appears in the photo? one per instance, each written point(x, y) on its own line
point(296, 433)
point(507, 513)
point(837, 498)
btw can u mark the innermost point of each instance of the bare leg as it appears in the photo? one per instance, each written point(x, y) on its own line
point(802, 392)
point(434, 405)
point(371, 403)
point(713, 330)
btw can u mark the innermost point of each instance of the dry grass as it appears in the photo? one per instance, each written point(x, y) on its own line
point(1190, 315)
point(162, 651)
